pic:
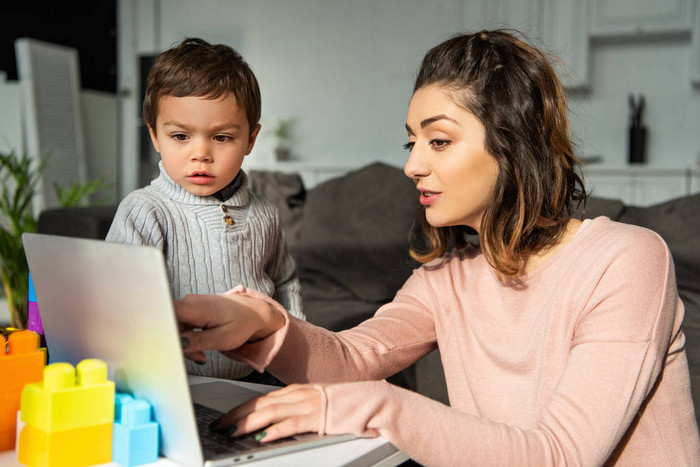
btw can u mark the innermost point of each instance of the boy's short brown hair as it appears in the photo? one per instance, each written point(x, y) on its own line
point(198, 68)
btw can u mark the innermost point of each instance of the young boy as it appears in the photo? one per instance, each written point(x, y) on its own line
point(202, 108)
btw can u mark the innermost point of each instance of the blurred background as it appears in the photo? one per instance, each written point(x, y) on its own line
point(342, 72)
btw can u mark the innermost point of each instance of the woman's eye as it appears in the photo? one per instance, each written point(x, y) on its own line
point(408, 146)
point(439, 144)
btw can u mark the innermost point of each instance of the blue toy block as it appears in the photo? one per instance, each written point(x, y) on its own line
point(135, 434)
point(32, 294)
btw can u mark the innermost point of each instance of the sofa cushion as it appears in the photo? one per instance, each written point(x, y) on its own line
point(596, 206)
point(353, 241)
point(678, 222)
point(84, 222)
point(284, 190)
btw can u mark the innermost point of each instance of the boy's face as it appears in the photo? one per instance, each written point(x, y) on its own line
point(202, 142)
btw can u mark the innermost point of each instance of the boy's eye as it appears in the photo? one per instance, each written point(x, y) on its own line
point(179, 137)
point(222, 138)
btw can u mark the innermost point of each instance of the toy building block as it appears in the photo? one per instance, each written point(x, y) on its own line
point(77, 447)
point(135, 434)
point(31, 293)
point(33, 317)
point(22, 363)
point(68, 419)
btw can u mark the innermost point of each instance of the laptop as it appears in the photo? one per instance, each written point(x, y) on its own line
point(112, 301)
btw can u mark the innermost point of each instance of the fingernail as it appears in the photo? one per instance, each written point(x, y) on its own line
point(184, 342)
point(260, 435)
point(214, 425)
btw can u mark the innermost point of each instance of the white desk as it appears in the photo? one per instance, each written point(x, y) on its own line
point(355, 453)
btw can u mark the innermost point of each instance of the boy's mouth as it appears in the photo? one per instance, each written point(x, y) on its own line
point(200, 177)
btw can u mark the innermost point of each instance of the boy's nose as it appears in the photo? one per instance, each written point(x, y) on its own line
point(201, 153)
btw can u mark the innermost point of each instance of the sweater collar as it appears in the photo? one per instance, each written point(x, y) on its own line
point(169, 187)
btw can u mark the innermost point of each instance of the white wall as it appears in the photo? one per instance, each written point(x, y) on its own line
point(101, 131)
point(11, 137)
point(660, 69)
point(345, 69)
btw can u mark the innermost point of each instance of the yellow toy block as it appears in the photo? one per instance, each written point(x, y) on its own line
point(77, 447)
point(66, 402)
point(22, 363)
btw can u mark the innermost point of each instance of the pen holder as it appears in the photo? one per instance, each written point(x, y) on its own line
point(637, 144)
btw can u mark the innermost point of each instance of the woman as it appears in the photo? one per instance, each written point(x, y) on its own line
point(560, 339)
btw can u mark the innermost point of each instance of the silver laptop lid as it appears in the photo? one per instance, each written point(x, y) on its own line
point(112, 301)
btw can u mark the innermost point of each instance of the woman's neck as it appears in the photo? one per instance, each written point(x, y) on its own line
point(538, 258)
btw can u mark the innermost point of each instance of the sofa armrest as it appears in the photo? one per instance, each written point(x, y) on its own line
point(84, 222)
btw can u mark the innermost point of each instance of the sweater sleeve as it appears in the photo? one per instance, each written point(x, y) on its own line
point(398, 335)
point(615, 360)
point(137, 222)
point(619, 348)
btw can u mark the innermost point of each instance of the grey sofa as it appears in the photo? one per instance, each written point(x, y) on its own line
point(350, 238)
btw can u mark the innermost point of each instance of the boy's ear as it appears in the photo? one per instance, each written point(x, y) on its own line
point(251, 140)
point(154, 140)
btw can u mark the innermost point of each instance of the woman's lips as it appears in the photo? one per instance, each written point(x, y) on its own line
point(428, 197)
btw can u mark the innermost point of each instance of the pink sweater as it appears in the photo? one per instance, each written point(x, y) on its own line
point(583, 363)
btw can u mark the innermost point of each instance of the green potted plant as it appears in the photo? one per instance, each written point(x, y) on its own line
point(19, 177)
point(283, 135)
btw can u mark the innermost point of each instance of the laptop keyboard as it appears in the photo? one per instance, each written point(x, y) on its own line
point(217, 443)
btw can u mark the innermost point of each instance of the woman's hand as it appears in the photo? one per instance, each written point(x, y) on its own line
point(295, 409)
point(223, 322)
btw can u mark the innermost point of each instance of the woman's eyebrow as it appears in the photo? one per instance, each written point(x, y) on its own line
point(434, 119)
point(431, 120)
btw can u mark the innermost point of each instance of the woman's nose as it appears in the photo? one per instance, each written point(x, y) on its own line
point(416, 165)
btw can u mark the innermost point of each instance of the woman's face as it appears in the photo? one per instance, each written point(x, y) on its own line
point(448, 161)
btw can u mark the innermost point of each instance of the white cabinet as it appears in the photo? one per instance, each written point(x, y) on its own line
point(641, 186)
point(565, 25)
point(631, 17)
point(558, 26)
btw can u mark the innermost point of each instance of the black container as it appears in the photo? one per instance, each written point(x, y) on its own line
point(637, 144)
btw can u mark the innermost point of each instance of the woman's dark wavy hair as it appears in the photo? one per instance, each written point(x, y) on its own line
point(512, 88)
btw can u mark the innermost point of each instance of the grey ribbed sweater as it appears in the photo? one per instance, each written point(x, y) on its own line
point(206, 255)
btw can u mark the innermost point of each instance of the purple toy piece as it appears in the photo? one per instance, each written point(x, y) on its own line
point(34, 320)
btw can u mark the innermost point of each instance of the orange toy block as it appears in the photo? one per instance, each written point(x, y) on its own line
point(21, 364)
